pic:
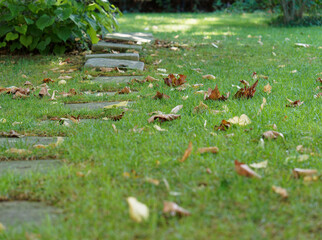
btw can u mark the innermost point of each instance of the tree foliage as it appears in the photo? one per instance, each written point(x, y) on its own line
point(53, 25)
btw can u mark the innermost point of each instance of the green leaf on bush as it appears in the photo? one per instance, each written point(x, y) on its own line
point(34, 43)
point(15, 9)
point(63, 13)
point(21, 29)
point(25, 40)
point(64, 33)
point(4, 29)
point(92, 33)
point(43, 44)
point(29, 21)
point(11, 36)
point(3, 44)
point(44, 21)
point(34, 8)
point(15, 45)
point(58, 50)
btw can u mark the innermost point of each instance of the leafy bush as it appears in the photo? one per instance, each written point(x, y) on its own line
point(54, 25)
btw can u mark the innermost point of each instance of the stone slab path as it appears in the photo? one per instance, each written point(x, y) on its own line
point(16, 213)
point(91, 105)
point(112, 63)
point(116, 79)
point(102, 45)
point(135, 37)
point(26, 167)
point(13, 142)
point(122, 56)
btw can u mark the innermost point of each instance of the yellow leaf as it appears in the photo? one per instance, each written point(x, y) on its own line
point(243, 120)
point(268, 88)
point(259, 165)
point(138, 211)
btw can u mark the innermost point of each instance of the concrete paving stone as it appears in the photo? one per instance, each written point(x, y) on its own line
point(116, 79)
point(102, 45)
point(17, 213)
point(24, 167)
point(16, 142)
point(112, 63)
point(91, 105)
point(122, 56)
point(135, 37)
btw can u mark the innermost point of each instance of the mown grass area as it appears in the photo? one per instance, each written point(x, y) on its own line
point(102, 168)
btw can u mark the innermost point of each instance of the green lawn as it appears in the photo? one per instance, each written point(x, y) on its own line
point(101, 168)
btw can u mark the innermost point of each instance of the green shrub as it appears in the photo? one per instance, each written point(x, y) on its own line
point(54, 25)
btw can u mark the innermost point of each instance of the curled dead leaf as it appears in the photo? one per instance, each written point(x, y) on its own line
point(262, 164)
point(172, 81)
point(160, 95)
point(44, 92)
point(11, 134)
point(246, 92)
point(267, 89)
point(272, 135)
point(215, 95)
point(209, 77)
point(125, 90)
point(262, 106)
point(208, 150)
point(164, 117)
point(200, 108)
point(157, 127)
point(244, 170)
point(243, 120)
point(224, 125)
point(176, 109)
point(187, 152)
point(174, 209)
point(281, 191)
point(298, 172)
point(47, 80)
point(294, 103)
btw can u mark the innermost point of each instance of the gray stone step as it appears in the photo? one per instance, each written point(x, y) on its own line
point(91, 105)
point(135, 37)
point(17, 213)
point(117, 79)
point(111, 63)
point(25, 167)
point(102, 45)
point(16, 142)
point(123, 56)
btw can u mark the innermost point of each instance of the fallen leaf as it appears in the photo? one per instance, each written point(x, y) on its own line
point(11, 134)
point(298, 172)
point(114, 128)
point(243, 120)
point(138, 211)
point(173, 209)
point(120, 104)
point(196, 86)
point(176, 109)
point(105, 69)
point(159, 128)
point(262, 164)
point(281, 191)
point(200, 108)
point(214, 45)
point(310, 178)
point(224, 125)
point(294, 103)
point(263, 76)
point(24, 76)
point(267, 89)
point(156, 182)
point(208, 150)
point(40, 146)
point(27, 83)
point(281, 66)
point(302, 45)
point(18, 151)
point(246, 92)
point(72, 92)
point(125, 90)
point(150, 85)
point(184, 97)
point(117, 117)
point(244, 170)
point(48, 80)
point(294, 71)
point(187, 152)
point(43, 92)
point(303, 157)
point(215, 95)
point(62, 82)
point(164, 117)
point(172, 81)
point(262, 106)
point(159, 95)
point(245, 83)
point(209, 77)
point(272, 135)
point(65, 77)
point(150, 79)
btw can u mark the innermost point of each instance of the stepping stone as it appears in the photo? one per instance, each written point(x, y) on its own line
point(13, 142)
point(117, 79)
point(100, 94)
point(112, 63)
point(102, 45)
point(25, 167)
point(122, 56)
point(134, 37)
point(90, 106)
point(17, 213)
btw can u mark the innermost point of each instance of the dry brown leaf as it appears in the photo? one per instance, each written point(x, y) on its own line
point(72, 92)
point(117, 117)
point(244, 170)
point(64, 77)
point(173, 209)
point(164, 117)
point(246, 92)
point(27, 83)
point(267, 89)
point(187, 152)
point(209, 77)
point(11, 134)
point(215, 95)
point(224, 125)
point(319, 80)
point(43, 92)
point(263, 76)
point(281, 191)
point(294, 103)
point(172, 81)
point(125, 90)
point(18, 151)
point(47, 80)
point(262, 106)
point(208, 150)
point(105, 69)
point(40, 146)
point(298, 172)
point(244, 82)
point(200, 108)
point(156, 182)
point(150, 79)
point(114, 128)
point(272, 135)
point(159, 95)
point(176, 109)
